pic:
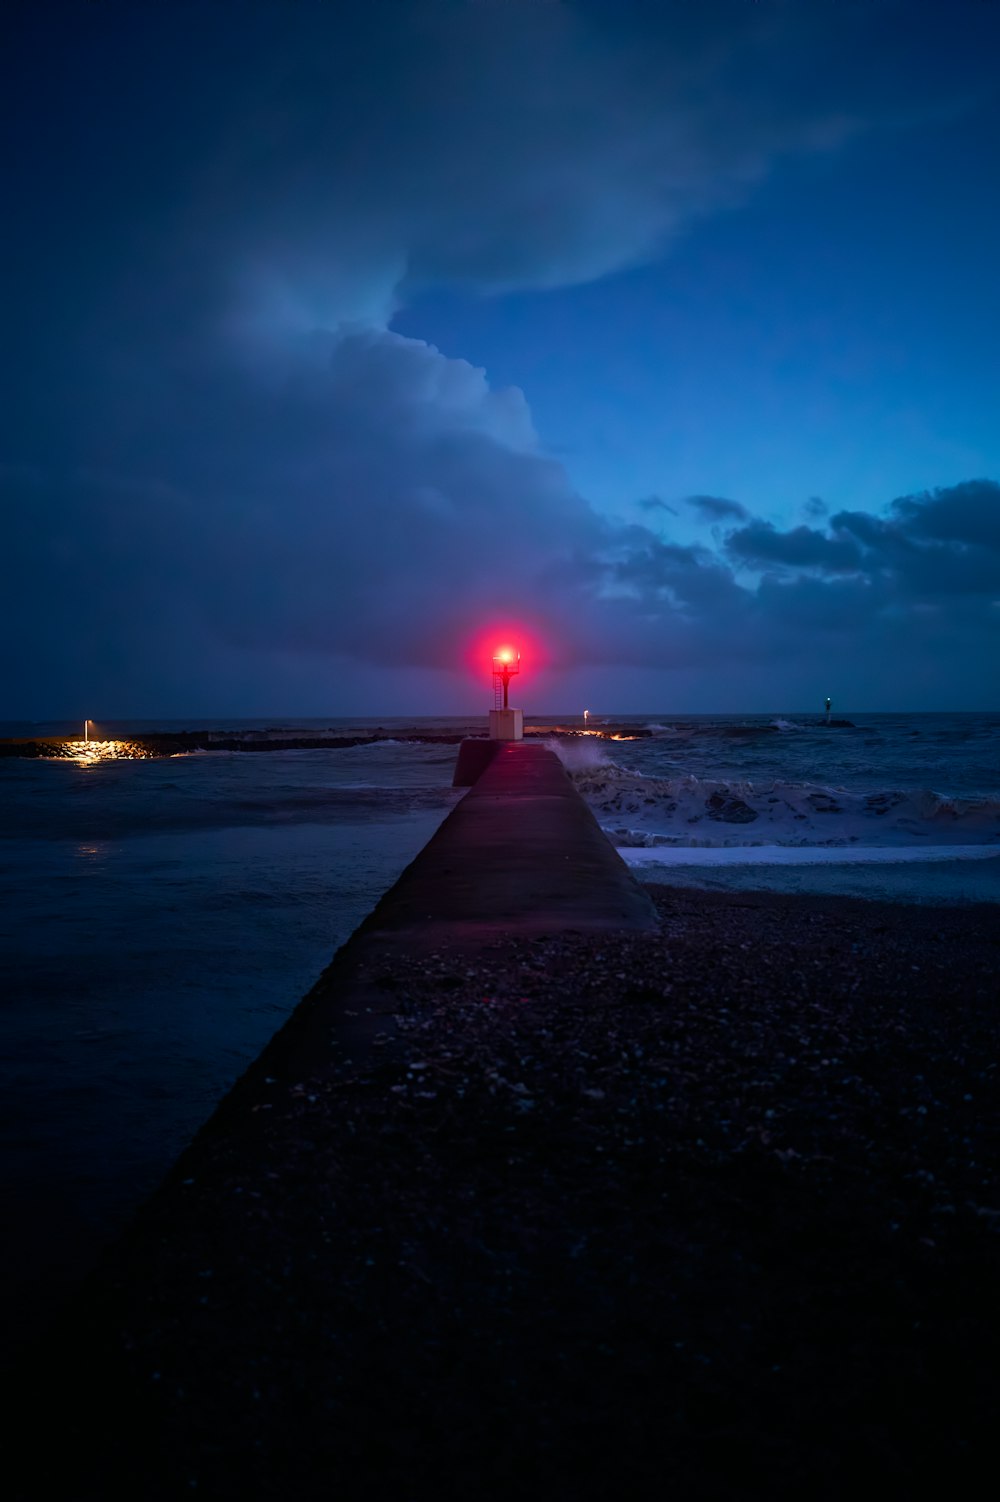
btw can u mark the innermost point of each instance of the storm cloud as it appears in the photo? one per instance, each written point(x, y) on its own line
point(222, 449)
point(500, 146)
point(803, 547)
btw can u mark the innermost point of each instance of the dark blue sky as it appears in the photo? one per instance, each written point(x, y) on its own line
point(663, 337)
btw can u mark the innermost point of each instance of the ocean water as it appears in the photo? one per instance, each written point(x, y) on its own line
point(902, 807)
point(159, 919)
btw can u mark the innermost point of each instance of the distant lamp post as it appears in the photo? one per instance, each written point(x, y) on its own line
point(86, 730)
point(506, 724)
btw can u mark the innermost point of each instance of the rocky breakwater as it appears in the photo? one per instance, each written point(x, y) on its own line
point(181, 742)
point(606, 732)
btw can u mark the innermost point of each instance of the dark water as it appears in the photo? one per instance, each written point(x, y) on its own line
point(953, 754)
point(159, 920)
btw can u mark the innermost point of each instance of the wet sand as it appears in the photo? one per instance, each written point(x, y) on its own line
point(712, 1209)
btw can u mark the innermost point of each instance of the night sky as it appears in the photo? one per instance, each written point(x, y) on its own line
point(341, 340)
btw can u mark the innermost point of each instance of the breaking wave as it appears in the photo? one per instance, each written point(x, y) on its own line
point(584, 755)
point(637, 811)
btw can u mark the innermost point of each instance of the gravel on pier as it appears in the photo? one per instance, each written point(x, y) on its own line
point(712, 1210)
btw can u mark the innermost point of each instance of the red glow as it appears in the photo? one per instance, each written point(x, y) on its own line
point(507, 640)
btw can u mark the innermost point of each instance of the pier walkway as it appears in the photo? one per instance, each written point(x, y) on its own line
point(205, 1336)
point(534, 1198)
point(522, 851)
point(521, 854)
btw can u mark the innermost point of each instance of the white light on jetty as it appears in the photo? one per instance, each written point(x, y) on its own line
point(586, 715)
point(88, 752)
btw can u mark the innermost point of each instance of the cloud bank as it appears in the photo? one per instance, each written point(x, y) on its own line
point(246, 460)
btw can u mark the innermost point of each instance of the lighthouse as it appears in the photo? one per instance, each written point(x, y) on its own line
point(506, 724)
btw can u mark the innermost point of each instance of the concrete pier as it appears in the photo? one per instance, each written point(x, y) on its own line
point(522, 851)
point(190, 1288)
point(522, 854)
point(533, 1199)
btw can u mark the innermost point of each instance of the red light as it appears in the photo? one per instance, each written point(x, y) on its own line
point(504, 642)
point(506, 665)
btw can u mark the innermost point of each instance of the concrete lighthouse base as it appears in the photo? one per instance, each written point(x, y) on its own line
point(506, 725)
point(475, 754)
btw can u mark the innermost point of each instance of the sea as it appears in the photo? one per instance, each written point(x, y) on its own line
point(160, 918)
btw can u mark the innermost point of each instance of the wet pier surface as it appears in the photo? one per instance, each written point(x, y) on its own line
point(521, 851)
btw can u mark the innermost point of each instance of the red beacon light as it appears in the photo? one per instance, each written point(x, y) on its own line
point(506, 724)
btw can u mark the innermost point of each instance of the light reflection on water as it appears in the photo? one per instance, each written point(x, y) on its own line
point(93, 854)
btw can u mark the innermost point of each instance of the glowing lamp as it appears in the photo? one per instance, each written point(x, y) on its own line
point(506, 664)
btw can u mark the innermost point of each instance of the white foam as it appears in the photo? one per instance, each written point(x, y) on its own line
point(584, 755)
point(802, 855)
point(692, 811)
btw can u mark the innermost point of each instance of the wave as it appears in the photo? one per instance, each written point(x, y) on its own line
point(746, 730)
point(807, 855)
point(690, 811)
point(692, 729)
point(584, 755)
